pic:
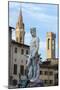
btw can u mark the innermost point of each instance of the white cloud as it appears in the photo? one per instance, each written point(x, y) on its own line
point(41, 16)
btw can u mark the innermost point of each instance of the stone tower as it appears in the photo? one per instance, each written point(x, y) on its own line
point(20, 33)
point(50, 45)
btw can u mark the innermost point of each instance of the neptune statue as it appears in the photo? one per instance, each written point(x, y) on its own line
point(33, 60)
point(33, 68)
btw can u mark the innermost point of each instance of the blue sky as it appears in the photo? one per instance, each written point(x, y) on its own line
point(42, 16)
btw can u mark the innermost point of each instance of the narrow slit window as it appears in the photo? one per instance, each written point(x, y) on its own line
point(48, 43)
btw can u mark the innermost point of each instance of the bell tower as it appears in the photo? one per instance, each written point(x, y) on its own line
point(50, 45)
point(20, 33)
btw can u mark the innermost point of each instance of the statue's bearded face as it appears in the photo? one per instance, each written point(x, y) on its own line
point(33, 32)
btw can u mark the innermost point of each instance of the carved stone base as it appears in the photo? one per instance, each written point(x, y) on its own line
point(35, 84)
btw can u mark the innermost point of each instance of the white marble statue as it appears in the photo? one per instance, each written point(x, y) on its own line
point(33, 60)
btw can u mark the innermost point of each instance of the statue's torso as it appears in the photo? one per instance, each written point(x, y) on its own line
point(33, 67)
point(34, 46)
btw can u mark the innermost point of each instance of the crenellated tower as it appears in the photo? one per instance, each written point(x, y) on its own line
point(50, 45)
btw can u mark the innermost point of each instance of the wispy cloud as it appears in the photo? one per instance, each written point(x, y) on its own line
point(41, 16)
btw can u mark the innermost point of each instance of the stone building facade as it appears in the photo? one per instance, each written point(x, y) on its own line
point(49, 72)
point(19, 56)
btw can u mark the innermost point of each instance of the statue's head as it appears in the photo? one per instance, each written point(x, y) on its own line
point(33, 32)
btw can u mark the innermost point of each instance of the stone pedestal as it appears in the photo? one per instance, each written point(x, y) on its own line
point(35, 84)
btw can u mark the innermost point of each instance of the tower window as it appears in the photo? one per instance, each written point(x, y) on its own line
point(15, 68)
point(53, 44)
point(48, 43)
